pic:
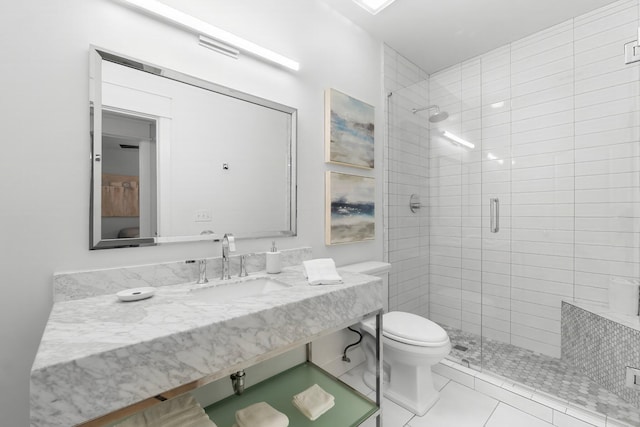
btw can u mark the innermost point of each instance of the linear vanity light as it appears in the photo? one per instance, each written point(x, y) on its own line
point(219, 47)
point(457, 139)
point(167, 13)
point(373, 6)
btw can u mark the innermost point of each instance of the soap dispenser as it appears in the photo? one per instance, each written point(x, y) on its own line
point(274, 260)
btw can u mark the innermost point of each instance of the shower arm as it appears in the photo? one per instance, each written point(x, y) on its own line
point(415, 110)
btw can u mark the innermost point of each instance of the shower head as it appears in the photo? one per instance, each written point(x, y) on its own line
point(436, 116)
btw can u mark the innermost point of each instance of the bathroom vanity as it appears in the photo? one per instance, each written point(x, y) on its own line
point(102, 359)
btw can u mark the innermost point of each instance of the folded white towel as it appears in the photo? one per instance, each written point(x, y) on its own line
point(313, 402)
point(194, 417)
point(137, 420)
point(322, 271)
point(261, 414)
point(182, 411)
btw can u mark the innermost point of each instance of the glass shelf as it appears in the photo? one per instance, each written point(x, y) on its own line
point(351, 408)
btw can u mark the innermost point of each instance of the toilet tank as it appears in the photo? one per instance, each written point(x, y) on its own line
point(374, 268)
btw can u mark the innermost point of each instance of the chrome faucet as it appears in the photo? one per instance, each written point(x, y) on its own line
point(228, 245)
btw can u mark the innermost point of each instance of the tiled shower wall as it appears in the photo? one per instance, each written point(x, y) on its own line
point(555, 122)
point(406, 173)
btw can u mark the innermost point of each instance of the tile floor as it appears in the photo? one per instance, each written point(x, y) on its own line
point(479, 410)
point(543, 373)
point(473, 399)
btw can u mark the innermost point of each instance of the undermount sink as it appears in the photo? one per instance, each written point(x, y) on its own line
point(237, 289)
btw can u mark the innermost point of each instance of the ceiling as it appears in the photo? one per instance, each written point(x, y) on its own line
point(435, 35)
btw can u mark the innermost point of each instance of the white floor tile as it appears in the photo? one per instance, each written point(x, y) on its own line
point(563, 420)
point(393, 415)
point(439, 381)
point(458, 406)
point(454, 374)
point(508, 416)
point(354, 379)
point(590, 418)
point(523, 403)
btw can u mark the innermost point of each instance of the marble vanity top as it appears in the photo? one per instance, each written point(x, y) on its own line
point(99, 354)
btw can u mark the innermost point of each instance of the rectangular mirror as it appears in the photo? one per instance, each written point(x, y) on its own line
point(176, 158)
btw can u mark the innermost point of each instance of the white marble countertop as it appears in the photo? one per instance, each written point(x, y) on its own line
point(99, 354)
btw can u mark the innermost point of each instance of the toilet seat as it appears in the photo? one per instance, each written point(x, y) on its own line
point(408, 328)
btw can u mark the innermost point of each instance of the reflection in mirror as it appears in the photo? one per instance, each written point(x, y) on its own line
point(175, 157)
point(128, 176)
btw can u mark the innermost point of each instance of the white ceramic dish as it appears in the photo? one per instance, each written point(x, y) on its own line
point(136, 294)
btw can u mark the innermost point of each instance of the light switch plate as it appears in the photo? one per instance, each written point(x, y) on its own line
point(631, 52)
point(633, 378)
point(203, 215)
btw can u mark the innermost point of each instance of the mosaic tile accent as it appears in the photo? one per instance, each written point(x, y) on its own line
point(540, 372)
point(601, 348)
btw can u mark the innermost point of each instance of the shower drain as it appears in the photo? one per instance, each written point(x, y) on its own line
point(460, 347)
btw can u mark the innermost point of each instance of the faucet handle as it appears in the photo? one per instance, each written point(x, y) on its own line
point(243, 266)
point(232, 242)
point(202, 268)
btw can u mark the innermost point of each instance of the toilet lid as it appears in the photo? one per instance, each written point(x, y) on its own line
point(413, 329)
point(409, 329)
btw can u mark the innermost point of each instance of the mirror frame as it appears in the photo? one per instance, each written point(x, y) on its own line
point(97, 56)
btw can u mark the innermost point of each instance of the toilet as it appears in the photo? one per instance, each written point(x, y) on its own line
point(411, 345)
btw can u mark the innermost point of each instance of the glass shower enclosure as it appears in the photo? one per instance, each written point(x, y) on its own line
point(529, 189)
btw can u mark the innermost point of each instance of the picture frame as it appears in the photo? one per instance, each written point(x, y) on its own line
point(350, 208)
point(349, 131)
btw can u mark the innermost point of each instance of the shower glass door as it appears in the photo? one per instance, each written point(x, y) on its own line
point(496, 159)
point(456, 220)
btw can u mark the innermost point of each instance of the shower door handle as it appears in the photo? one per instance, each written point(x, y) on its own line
point(495, 214)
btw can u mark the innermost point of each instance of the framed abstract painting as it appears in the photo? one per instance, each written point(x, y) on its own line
point(349, 130)
point(350, 208)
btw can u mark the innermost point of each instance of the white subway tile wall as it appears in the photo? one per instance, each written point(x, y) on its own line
point(555, 120)
point(607, 155)
point(406, 161)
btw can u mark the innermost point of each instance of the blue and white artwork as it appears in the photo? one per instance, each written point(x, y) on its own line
point(350, 208)
point(350, 129)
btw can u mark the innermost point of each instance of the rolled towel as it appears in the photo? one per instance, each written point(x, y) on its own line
point(322, 271)
point(261, 414)
point(313, 402)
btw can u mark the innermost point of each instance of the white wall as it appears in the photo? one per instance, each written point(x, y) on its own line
point(44, 169)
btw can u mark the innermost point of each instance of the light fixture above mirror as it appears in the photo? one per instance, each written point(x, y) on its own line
point(202, 28)
point(373, 6)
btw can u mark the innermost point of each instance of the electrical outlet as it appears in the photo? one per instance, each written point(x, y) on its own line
point(203, 215)
point(633, 378)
